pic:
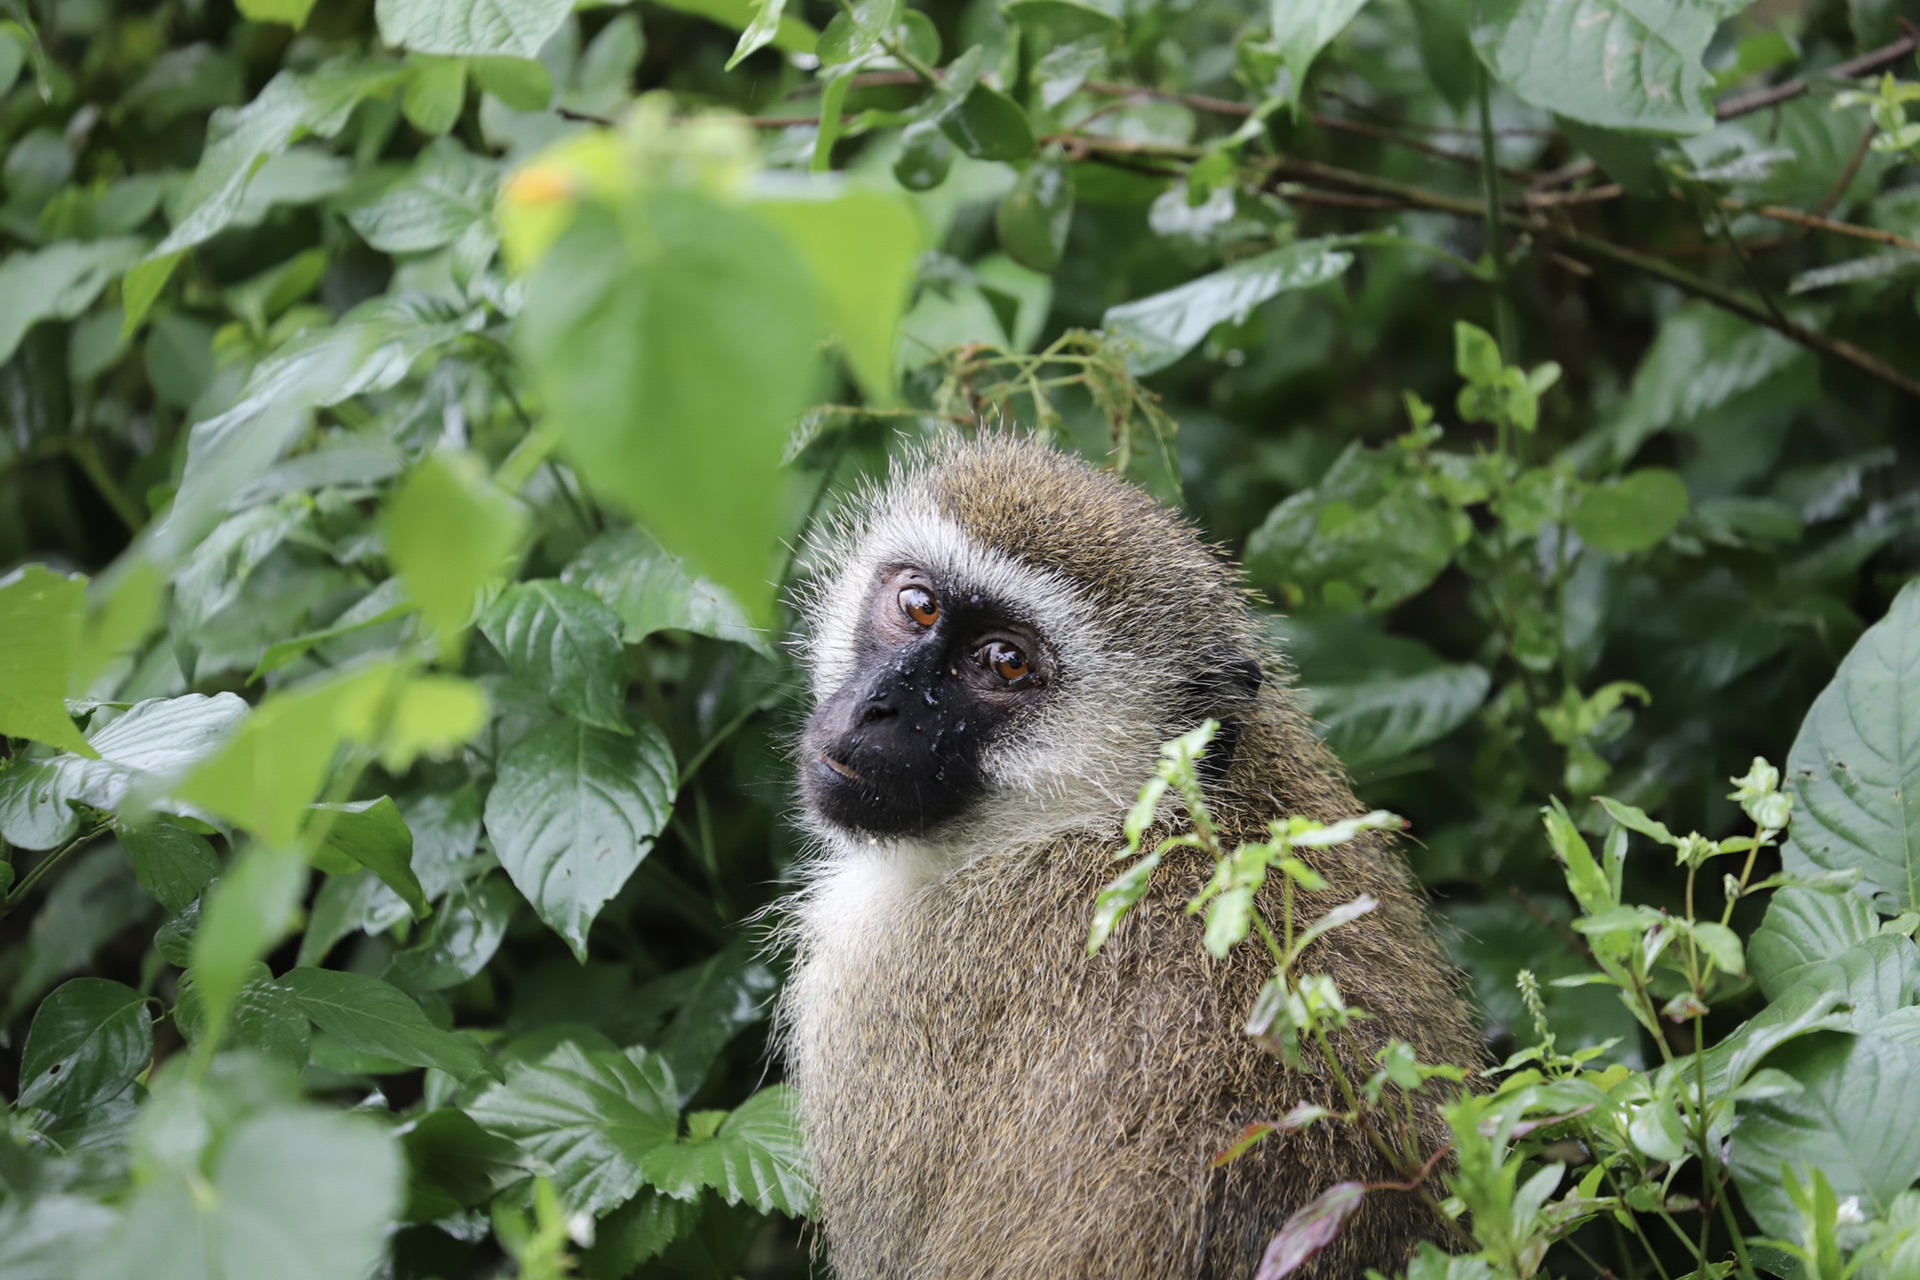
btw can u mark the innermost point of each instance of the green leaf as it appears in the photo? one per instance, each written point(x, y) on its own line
point(1313, 1227)
point(1590, 886)
point(246, 913)
point(1033, 218)
point(446, 192)
point(1113, 902)
point(574, 811)
point(652, 591)
point(1633, 513)
point(454, 1164)
point(594, 1116)
point(377, 1017)
point(1855, 764)
point(1804, 927)
point(1301, 29)
point(988, 125)
point(515, 28)
point(47, 1237)
point(34, 808)
point(636, 1232)
point(57, 283)
point(793, 35)
point(522, 83)
point(302, 1193)
point(40, 614)
point(265, 1018)
point(449, 533)
point(319, 102)
point(562, 642)
point(172, 863)
point(856, 31)
point(755, 1156)
point(1840, 1123)
point(759, 33)
point(374, 835)
point(639, 364)
point(435, 93)
point(1167, 325)
point(1377, 697)
point(291, 12)
point(88, 1041)
point(464, 935)
point(926, 157)
point(862, 245)
point(1635, 68)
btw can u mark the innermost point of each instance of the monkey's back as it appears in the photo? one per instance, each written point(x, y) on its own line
point(983, 1099)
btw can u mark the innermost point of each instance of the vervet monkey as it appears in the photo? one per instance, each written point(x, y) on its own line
point(998, 642)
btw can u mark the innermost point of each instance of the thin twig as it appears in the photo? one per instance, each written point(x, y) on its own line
point(1814, 222)
point(1845, 180)
point(1864, 65)
point(45, 867)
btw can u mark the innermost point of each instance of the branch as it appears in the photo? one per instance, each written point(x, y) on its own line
point(1864, 65)
point(1814, 222)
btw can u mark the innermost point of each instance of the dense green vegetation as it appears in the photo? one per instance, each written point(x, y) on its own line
point(407, 411)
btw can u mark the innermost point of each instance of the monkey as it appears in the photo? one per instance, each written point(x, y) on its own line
point(997, 641)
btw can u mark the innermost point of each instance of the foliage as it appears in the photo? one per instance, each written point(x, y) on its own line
point(408, 409)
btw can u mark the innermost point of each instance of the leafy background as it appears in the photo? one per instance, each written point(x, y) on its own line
point(409, 409)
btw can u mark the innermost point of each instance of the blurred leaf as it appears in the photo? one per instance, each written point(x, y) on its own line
point(40, 614)
point(57, 283)
point(792, 36)
point(377, 1017)
point(1635, 69)
point(594, 1116)
point(89, 1039)
point(464, 935)
point(307, 1185)
point(265, 1018)
point(244, 915)
point(1310, 1229)
point(1377, 696)
point(574, 811)
point(640, 365)
point(45, 1238)
point(1033, 218)
point(563, 642)
point(448, 533)
point(1855, 765)
point(515, 28)
point(1633, 513)
point(291, 12)
point(1301, 29)
point(435, 93)
point(1167, 325)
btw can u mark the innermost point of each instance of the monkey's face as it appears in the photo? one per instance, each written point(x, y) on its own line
point(938, 674)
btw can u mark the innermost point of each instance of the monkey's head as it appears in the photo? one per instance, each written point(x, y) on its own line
point(1004, 635)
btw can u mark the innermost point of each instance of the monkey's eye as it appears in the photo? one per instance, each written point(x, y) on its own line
point(918, 603)
point(1004, 660)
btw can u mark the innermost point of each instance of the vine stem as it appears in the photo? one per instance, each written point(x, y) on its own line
point(45, 866)
point(1496, 229)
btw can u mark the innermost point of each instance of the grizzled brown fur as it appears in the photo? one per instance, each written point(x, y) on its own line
point(984, 1100)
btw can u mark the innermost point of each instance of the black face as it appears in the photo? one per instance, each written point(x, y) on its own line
point(936, 677)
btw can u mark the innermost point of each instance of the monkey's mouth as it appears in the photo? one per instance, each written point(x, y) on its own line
point(842, 770)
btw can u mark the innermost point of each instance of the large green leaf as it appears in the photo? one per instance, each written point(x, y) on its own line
point(1378, 696)
point(1302, 28)
point(454, 1164)
point(673, 375)
point(574, 811)
point(1855, 765)
point(295, 1194)
point(594, 1115)
point(172, 863)
point(1629, 66)
point(754, 1156)
point(1167, 325)
point(46, 1238)
point(245, 915)
point(448, 532)
point(240, 139)
point(561, 640)
point(652, 591)
point(377, 1017)
point(514, 28)
point(1634, 513)
point(89, 1039)
point(57, 283)
point(463, 937)
point(265, 1018)
point(40, 616)
point(1842, 1122)
point(1805, 927)
point(372, 834)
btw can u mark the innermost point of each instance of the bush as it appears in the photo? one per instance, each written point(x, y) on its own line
point(409, 409)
